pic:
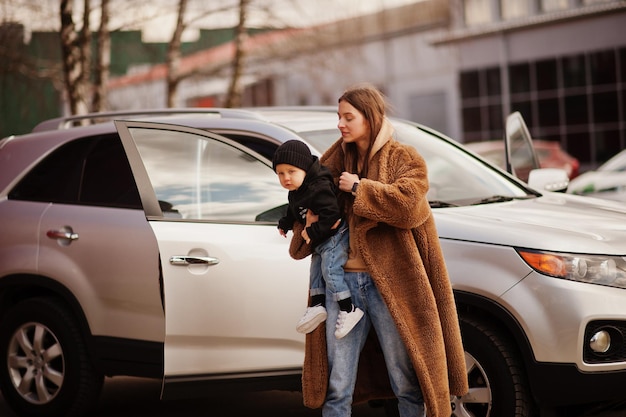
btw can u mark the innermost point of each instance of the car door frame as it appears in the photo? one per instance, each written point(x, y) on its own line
point(183, 385)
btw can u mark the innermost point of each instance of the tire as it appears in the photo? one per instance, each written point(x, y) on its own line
point(44, 367)
point(497, 382)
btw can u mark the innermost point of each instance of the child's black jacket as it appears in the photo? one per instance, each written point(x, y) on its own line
point(317, 193)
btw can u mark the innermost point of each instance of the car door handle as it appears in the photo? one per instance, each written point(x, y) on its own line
point(62, 234)
point(193, 260)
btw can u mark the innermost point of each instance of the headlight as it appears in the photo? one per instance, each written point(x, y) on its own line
point(594, 269)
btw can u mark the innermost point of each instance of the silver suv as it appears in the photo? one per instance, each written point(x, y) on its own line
point(146, 245)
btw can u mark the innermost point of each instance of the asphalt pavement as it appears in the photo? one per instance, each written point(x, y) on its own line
point(136, 397)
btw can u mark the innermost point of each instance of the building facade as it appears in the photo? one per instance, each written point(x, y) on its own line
point(560, 63)
point(459, 66)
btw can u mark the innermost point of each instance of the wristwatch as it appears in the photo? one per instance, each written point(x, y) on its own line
point(356, 183)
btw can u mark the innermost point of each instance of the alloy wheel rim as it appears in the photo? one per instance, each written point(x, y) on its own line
point(36, 363)
point(477, 402)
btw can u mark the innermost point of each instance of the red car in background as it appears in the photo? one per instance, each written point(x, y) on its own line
point(550, 154)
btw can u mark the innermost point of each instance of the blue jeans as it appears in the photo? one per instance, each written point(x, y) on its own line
point(343, 354)
point(327, 263)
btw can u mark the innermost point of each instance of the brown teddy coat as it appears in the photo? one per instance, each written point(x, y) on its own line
point(398, 241)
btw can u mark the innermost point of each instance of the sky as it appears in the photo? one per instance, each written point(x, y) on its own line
point(157, 18)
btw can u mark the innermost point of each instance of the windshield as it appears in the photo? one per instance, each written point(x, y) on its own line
point(456, 177)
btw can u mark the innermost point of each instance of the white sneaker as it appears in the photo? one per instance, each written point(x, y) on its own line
point(313, 316)
point(347, 320)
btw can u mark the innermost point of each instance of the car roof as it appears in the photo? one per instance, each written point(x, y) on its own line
point(281, 115)
point(277, 125)
point(68, 122)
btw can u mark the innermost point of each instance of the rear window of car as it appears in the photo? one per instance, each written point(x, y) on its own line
point(90, 171)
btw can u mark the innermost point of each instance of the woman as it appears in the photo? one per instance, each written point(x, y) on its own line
point(397, 276)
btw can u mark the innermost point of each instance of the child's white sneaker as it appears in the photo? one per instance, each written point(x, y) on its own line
point(313, 316)
point(347, 320)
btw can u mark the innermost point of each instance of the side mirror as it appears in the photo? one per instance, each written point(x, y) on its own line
point(520, 154)
point(549, 179)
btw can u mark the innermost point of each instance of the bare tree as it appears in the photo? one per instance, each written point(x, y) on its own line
point(84, 49)
point(103, 60)
point(85, 84)
point(70, 49)
point(174, 54)
point(233, 96)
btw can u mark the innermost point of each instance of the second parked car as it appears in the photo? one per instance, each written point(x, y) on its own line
point(608, 181)
point(549, 153)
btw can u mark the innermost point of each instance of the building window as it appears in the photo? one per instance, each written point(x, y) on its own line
point(576, 110)
point(578, 100)
point(605, 107)
point(578, 145)
point(469, 85)
point(492, 79)
point(519, 78)
point(472, 122)
point(574, 71)
point(477, 12)
point(482, 105)
point(512, 9)
point(547, 75)
point(548, 112)
point(602, 66)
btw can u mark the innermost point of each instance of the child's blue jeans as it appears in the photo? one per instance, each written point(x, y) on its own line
point(327, 263)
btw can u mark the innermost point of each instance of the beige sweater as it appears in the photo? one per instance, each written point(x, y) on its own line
point(398, 242)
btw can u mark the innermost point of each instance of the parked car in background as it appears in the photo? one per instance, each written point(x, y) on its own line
point(608, 181)
point(146, 245)
point(549, 153)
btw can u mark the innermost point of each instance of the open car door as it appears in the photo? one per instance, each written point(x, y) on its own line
point(232, 294)
point(521, 157)
point(522, 160)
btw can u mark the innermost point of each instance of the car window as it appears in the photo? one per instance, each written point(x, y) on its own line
point(455, 176)
point(258, 145)
point(200, 178)
point(496, 157)
point(90, 171)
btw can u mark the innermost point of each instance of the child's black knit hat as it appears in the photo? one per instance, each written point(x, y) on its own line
point(293, 152)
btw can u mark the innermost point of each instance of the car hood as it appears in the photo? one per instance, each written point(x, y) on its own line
point(556, 222)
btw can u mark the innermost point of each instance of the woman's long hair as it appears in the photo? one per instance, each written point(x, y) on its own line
point(371, 103)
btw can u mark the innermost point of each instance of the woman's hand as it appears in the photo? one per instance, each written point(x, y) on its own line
point(305, 236)
point(310, 219)
point(347, 180)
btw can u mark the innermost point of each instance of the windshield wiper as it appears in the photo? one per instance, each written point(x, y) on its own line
point(440, 204)
point(499, 199)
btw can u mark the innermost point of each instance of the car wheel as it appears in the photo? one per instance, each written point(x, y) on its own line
point(496, 378)
point(44, 368)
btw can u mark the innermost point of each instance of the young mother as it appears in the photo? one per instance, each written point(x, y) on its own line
point(396, 274)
